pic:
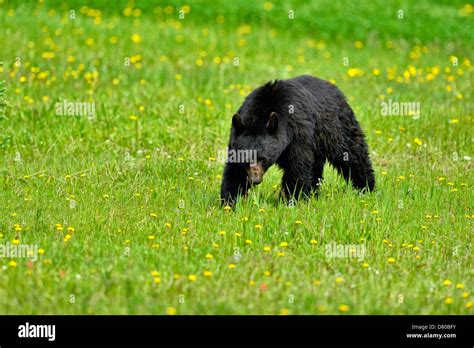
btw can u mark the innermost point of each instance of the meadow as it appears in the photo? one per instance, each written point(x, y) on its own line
point(123, 207)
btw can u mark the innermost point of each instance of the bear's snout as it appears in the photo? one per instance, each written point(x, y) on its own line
point(255, 173)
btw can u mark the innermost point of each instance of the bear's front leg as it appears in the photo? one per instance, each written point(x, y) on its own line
point(298, 180)
point(234, 184)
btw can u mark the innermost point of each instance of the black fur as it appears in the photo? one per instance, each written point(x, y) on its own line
point(310, 123)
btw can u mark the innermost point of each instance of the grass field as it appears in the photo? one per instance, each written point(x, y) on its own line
point(124, 206)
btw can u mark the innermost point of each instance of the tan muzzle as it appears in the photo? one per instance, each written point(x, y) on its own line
point(255, 173)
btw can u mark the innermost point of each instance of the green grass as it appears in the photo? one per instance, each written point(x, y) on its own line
point(106, 176)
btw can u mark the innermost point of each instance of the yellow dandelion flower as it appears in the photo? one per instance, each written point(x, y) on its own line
point(171, 311)
point(267, 248)
point(448, 300)
point(343, 308)
point(207, 274)
point(12, 263)
point(136, 38)
point(267, 6)
point(258, 227)
point(313, 241)
point(283, 244)
point(391, 260)
point(209, 256)
point(447, 282)
point(192, 277)
point(232, 266)
point(459, 286)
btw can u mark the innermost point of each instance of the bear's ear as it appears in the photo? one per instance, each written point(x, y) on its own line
point(237, 123)
point(272, 123)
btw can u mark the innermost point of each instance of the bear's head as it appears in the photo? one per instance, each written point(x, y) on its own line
point(256, 144)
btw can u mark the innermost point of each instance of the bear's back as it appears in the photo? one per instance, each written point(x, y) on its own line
point(318, 88)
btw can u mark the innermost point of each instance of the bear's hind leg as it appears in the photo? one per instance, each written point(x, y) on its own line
point(318, 168)
point(354, 164)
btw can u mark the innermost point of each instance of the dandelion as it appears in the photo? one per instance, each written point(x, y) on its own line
point(469, 305)
point(365, 265)
point(232, 266)
point(313, 241)
point(447, 282)
point(248, 241)
point(391, 260)
point(258, 227)
point(209, 256)
point(133, 118)
point(167, 225)
point(459, 286)
point(298, 222)
point(283, 244)
point(192, 277)
point(448, 300)
point(171, 311)
point(284, 311)
point(353, 72)
point(157, 280)
point(418, 141)
point(267, 6)
point(343, 308)
point(12, 263)
point(266, 248)
point(153, 215)
point(339, 280)
point(136, 38)
point(207, 274)
point(151, 237)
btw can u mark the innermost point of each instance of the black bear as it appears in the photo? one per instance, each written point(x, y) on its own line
point(299, 124)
